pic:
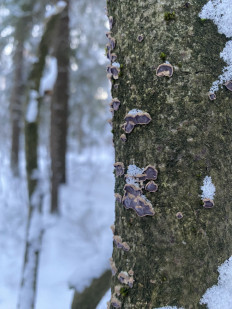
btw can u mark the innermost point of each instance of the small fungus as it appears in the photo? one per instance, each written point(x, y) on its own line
point(150, 172)
point(123, 138)
point(208, 203)
point(164, 69)
point(212, 96)
point(229, 85)
point(140, 38)
point(115, 103)
point(115, 72)
point(113, 267)
point(111, 21)
point(132, 189)
point(116, 302)
point(179, 215)
point(108, 34)
point(131, 272)
point(117, 290)
point(119, 168)
point(124, 278)
point(151, 186)
point(112, 42)
point(113, 57)
point(135, 118)
point(140, 177)
point(110, 122)
point(128, 127)
point(118, 197)
point(139, 204)
point(120, 244)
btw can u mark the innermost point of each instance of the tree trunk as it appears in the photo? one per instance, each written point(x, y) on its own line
point(175, 252)
point(59, 108)
point(93, 294)
point(34, 231)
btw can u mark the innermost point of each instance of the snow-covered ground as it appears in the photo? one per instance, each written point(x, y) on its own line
point(76, 245)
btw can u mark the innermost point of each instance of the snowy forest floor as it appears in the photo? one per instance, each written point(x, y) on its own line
point(77, 244)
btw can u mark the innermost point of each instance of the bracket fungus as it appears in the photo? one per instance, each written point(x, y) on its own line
point(115, 103)
point(151, 186)
point(208, 203)
point(112, 227)
point(119, 168)
point(116, 302)
point(140, 38)
point(150, 172)
point(113, 267)
point(132, 189)
point(118, 197)
point(111, 21)
point(135, 118)
point(164, 69)
point(113, 57)
point(179, 215)
point(112, 42)
point(229, 85)
point(123, 138)
point(138, 204)
point(120, 244)
point(212, 96)
point(124, 278)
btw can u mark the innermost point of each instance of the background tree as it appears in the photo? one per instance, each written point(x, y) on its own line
point(176, 249)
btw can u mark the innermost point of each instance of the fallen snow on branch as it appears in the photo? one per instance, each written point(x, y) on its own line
point(220, 12)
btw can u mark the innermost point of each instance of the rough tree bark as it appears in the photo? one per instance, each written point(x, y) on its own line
point(59, 108)
point(174, 258)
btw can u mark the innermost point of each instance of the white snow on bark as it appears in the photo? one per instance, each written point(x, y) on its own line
point(50, 75)
point(219, 296)
point(133, 170)
point(32, 108)
point(220, 12)
point(208, 188)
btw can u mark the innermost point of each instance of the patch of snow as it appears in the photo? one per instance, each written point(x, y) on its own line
point(219, 296)
point(208, 188)
point(133, 170)
point(50, 75)
point(220, 11)
point(104, 300)
point(134, 111)
point(116, 64)
point(32, 109)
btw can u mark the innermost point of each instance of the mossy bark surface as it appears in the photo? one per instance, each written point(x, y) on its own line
point(190, 137)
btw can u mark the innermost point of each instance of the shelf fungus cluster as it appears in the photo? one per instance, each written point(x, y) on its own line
point(113, 267)
point(229, 85)
point(115, 104)
point(133, 191)
point(164, 69)
point(120, 244)
point(125, 278)
point(133, 118)
point(208, 203)
point(119, 168)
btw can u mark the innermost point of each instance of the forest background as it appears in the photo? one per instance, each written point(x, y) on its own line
point(53, 86)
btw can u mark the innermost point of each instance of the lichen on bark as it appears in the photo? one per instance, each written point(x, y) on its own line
point(174, 260)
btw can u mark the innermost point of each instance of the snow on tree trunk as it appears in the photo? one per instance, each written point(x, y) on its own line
point(34, 225)
point(179, 229)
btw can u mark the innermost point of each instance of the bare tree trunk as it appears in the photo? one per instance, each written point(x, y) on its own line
point(93, 294)
point(34, 230)
point(59, 108)
point(175, 243)
point(16, 106)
